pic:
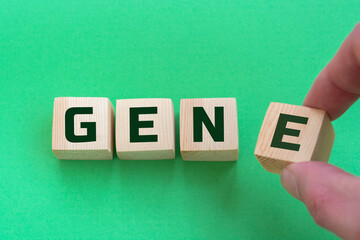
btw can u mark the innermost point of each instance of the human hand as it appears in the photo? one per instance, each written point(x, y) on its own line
point(331, 195)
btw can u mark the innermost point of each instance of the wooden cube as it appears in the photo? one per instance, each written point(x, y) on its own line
point(209, 129)
point(83, 128)
point(145, 129)
point(291, 134)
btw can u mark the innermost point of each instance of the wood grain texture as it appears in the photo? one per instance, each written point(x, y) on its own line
point(103, 115)
point(316, 138)
point(164, 128)
point(208, 149)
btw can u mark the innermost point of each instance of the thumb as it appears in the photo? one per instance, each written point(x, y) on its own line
point(331, 195)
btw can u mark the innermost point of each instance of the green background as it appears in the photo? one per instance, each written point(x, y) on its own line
point(256, 51)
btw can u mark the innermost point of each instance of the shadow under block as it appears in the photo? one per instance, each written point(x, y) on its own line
point(145, 129)
point(209, 129)
point(291, 134)
point(83, 128)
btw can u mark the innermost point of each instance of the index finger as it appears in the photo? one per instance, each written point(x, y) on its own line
point(337, 86)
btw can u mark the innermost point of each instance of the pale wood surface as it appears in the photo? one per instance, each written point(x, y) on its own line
point(209, 150)
point(316, 137)
point(164, 128)
point(103, 115)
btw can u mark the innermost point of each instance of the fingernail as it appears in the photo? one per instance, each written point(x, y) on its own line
point(288, 181)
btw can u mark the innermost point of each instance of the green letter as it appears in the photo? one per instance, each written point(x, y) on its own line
point(281, 130)
point(216, 131)
point(135, 124)
point(69, 125)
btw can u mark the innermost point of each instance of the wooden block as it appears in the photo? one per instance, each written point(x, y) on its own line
point(145, 129)
point(291, 134)
point(209, 129)
point(83, 128)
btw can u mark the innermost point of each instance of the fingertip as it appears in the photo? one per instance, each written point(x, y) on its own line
point(315, 170)
point(330, 194)
point(337, 86)
point(300, 179)
point(289, 182)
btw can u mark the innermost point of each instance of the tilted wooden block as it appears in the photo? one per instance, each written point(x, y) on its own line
point(83, 128)
point(145, 129)
point(291, 134)
point(209, 129)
